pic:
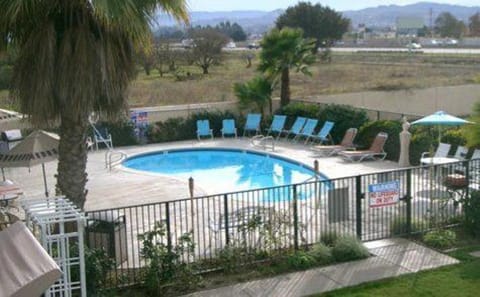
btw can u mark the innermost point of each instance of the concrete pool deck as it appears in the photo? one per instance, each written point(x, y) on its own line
point(123, 187)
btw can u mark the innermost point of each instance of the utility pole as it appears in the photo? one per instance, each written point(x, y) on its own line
point(431, 22)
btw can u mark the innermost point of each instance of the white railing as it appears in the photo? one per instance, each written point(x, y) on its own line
point(263, 142)
point(114, 158)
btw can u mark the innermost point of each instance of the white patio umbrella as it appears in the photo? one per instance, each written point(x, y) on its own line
point(441, 118)
point(37, 148)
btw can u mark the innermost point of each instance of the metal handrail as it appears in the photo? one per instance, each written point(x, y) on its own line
point(263, 141)
point(110, 162)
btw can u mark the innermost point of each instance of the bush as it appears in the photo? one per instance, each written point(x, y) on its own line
point(176, 129)
point(472, 213)
point(399, 226)
point(328, 238)
point(122, 132)
point(300, 260)
point(440, 239)
point(97, 267)
point(349, 248)
point(368, 132)
point(422, 141)
point(344, 117)
point(321, 253)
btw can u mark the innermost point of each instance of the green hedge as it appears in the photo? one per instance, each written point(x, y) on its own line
point(343, 116)
point(176, 129)
point(368, 132)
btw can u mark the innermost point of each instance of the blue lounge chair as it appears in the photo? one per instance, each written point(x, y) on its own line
point(307, 130)
point(228, 128)
point(277, 125)
point(296, 127)
point(253, 123)
point(203, 129)
point(324, 134)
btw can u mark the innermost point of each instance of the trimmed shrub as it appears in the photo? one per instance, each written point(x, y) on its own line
point(176, 129)
point(328, 238)
point(321, 253)
point(440, 239)
point(399, 226)
point(344, 117)
point(368, 132)
point(122, 133)
point(472, 213)
point(422, 141)
point(349, 248)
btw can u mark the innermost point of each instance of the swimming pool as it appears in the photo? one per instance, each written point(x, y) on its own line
point(225, 170)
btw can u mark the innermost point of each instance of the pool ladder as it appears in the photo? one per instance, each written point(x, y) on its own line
point(114, 158)
point(263, 141)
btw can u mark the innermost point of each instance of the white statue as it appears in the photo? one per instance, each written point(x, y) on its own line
point(405, 136)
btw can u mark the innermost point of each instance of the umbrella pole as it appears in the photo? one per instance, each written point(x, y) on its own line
point(45, 179)
point(3, 174)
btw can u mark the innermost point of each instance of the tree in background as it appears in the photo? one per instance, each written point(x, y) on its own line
point(317, 21)
point(257, 91)
point(76, 57)
point(234, 31)
point(166, 58)
point(474, 24)
point(207, 47)
point(283, 50)
point(146, 56)
point(448, 25)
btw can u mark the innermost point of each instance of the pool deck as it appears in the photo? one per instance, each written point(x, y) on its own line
point(123, 187)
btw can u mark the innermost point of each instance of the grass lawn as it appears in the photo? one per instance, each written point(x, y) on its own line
point(453, 281)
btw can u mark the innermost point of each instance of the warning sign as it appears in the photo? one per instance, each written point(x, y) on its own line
point(384, 194)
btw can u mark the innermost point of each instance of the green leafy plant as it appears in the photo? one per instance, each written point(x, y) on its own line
point(329, 237)
point(441, 239)
point(97, 267)
point(348, 248)
point(300, 260)
point(321, 253)
point(165, 270)
point(256, 92)
point(472, 213)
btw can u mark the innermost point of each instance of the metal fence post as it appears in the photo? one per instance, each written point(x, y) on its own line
point(225, 217)
point(295, 218)
point(467, 177)
point(358, 205)
point(409, 201)
point(169, 231)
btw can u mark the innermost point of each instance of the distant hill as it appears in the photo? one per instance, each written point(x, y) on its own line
point(255, 21)
point(386, 15)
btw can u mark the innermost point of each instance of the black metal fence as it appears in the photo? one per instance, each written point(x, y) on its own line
point(371, 206)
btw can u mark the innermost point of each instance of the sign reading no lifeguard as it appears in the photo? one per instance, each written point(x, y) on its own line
point(384, 194)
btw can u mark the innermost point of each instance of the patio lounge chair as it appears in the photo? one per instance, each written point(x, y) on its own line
point(307, 130)
point(101, 135)
point(253, 123)
point(203, 129)
point(461, 153)
point(324, 134)
point(346, 144)
point(441, 152)
point(228, 128)
point(277, 125)
point(375, 152)
point(296, 127)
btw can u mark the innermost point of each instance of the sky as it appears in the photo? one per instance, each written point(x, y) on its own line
point(340, 5)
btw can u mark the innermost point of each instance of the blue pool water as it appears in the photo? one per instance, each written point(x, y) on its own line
point(225, 170)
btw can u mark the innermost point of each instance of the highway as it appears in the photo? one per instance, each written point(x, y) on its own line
point(472, 51)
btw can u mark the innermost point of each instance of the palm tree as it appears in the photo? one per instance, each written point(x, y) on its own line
point(258, 91)
point(76, 57)
point(283, 50)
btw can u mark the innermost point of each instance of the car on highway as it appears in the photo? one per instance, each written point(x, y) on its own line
point(253, 45)
point(414, 46)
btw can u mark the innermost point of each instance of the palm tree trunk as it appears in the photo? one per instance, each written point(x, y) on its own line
point(285, 88)
point(72, 176)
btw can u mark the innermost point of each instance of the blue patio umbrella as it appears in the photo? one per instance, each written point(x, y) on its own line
point(441, 118)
